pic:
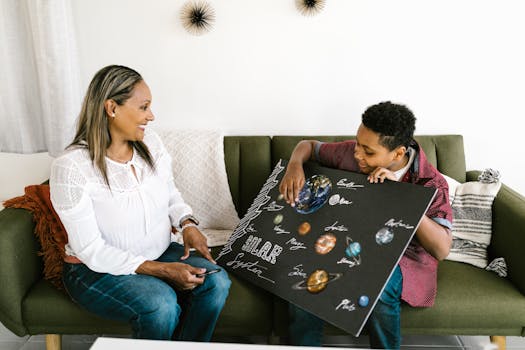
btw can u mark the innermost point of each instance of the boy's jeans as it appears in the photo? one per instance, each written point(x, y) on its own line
point(383, 325)
point(152, 307)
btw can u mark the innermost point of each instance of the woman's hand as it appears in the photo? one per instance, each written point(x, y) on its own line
point(181, 276)
point(292, 182)
point(193, 238)
point(380, 174)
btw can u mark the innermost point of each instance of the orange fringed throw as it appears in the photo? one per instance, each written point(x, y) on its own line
point(48, 229)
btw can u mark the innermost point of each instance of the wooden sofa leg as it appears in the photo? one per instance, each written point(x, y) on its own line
point(499, 340)
point(53, 342)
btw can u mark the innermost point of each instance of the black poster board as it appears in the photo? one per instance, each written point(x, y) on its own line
point(333, 253)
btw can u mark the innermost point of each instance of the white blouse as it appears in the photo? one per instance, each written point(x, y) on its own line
point(114, 230)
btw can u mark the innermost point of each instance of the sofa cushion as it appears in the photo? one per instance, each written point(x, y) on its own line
point(445, 152)
point(248, 165)
point(470, 301)
point(45, 309)
point(466, 296)
point(248, 310)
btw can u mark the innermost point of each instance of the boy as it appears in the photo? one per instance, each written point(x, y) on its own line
point(384, 149)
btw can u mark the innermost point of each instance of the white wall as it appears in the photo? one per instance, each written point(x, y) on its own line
point(21, 170)
point(265, 69)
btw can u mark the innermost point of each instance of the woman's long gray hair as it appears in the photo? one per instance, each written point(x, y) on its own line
point(115, 83)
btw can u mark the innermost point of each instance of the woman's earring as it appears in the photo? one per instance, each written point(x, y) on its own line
point(113, 114)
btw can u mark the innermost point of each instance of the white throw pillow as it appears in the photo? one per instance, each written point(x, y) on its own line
point(472, 226)
point(200, 175)
point(452, 186)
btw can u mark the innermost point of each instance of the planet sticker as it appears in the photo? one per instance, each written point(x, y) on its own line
point(363, 301)
point(384, 236)
point(353, 251)
point(314, 194)
point(325, 243)
point(317, 281)
point(334, 199)
point(304, 228)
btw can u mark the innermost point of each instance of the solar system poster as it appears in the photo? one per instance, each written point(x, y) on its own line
point(333, 252)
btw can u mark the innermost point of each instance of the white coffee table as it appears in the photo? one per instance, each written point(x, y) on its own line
point(103, 343)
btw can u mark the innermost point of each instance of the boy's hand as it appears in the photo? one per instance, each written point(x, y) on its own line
point(380, 174)
point(292, 183)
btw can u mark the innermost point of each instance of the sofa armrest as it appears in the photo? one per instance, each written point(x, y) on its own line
point(508, 232)
point(20, 266)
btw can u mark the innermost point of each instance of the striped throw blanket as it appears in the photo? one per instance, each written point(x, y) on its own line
point(472, 228)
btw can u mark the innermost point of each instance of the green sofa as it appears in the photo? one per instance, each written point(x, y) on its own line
point(470, 301)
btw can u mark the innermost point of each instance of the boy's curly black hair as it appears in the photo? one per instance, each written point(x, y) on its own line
point(394, 123)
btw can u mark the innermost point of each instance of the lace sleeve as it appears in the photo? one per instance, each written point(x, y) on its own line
point(66, 183)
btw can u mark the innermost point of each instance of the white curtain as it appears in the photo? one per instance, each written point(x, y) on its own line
point(39, 76)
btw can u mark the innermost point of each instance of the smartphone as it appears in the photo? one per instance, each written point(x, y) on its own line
point(209, 272)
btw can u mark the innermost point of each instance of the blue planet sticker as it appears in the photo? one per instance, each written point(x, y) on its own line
point(384, 236)
point(363, 301)
point(314, 194)
point(353, 250)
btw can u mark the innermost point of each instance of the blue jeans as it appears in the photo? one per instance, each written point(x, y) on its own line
point(153, 308)
point(384, 328)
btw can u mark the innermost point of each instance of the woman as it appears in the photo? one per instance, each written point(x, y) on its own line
point(113, 190)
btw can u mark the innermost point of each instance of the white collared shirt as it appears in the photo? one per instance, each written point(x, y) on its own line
point(115, 230)
point(399, 174)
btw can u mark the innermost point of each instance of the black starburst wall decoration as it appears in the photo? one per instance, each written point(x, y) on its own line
point(197, 17)
point(310, 7)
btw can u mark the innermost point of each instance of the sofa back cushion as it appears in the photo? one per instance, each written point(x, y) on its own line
point(445, 152)
point(248, 165)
